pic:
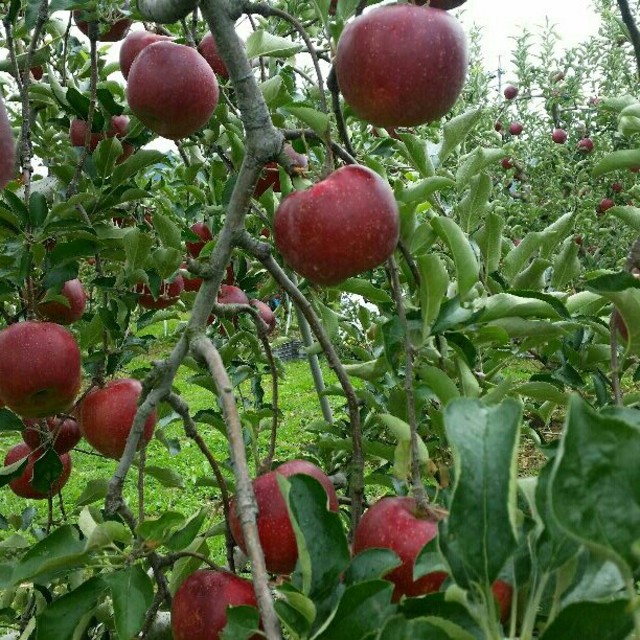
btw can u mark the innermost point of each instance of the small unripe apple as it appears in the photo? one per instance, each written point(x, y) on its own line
point(108, 32)
point(171, 89)
point(168, 296)
point(209, 51)
point(516, 128)
point(105, 416)
point(63, 432)
point(267, 315)
point(559, 136)
point(393, 523)
point(21, 485)
point(346, 224)
point(585, 145)
point(510, 92)
point(605, 204)
point(201, 229)
point(275, 531)
point(389, 76)
point(7, 148)
point(133, 44)
point(199, 607)
point(54, 311)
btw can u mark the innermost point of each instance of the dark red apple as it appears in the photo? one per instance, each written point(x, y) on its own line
point(133, 44)
point(171, 89)
point(333, 7)
point(169, 294)
point(7, 148)
point(605, 204)
point(341, 226)
point(54, 311)
point(209, 51)
point(392, 523)
point(267, 315)
point(109, 32)
point(510, 92)
point(274, 526)
point(498, 126)
point(507, 163)
point(191, 282)
point(271, 174)
point(37, 72)
point(516, 128)
point(620, 325)
point(401, 65)
point(203, 232)
point(199, 607)
point(503, 593)
point(106, 414)
point(63, 432)
point(21, 485)
point(39, 368)
point(559, 136)
point(617, 187)
point(585, 145)
point(229, 294)
point(117, 128)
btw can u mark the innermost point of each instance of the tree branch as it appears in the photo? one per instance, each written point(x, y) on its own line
point(166, 11)
point(634, 33)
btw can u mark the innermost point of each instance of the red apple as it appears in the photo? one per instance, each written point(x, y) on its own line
point(507, 163)
point(559, 136)
point(54, 311)
point(21, 485)
point(391, 523)
point(171, 89)
point(585, 145)
point(169, 294)
point(341, 226)
point(333, 7)
point(503, 593)
point(617, 187)
point(78, 131)
point(191, 282)
point(199, 607)
point(39, 368)
point(510, 92)
point(204, 233)
point(605, 204)
point(63, 432)
point(267, 315)
point(271, 174)
point(133, 44)
point(37, 72)
point(109, 32)
point(106, 414)
point(401, 65)
point(274, 526)
point(229, 294)
point(498, 126)
point(209, 51)
point(7, 148)
point(620, 325)
point(515, 128)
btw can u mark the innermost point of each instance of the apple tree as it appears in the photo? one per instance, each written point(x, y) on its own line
point(439, 234)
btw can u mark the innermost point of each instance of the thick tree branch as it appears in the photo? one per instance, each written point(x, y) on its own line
point(634, 33)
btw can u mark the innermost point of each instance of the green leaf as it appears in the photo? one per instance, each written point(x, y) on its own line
point(475, 162)
point(166, 261)
point(456, 130)
point(188, 532)
point(11, 471)
point(132, 594)
point(317, 120)
point(399, 628)
point(137, 247)
point(566, 265)
point(242, 623)
point(475, 203)
point(167, 230)
point(434, 281)
point(595, 483)
point(489, 240)
point(371, 370)
point(9, 421)
point(38, 209)
point(106, 154)
point(480, 533)
point(295, 610)
point(161, 529)
point(533, 276)
point(46, 470)
point(602, 620)
point(616, 160)
point(417, 153)
point(61, 618)
point(138, 161)
point(516, 259)
point(440, 384)
point(629, 215)
point(554, 234)
point(505, 305)
point(364, 288)
point(371, 564)
point(421, 191)
point(467, 268)
point(262, 43)
point(543, 392)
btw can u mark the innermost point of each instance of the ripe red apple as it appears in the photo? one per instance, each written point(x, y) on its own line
point(585, 145)
point(559, 136)
point(133, 44)
point(21, 485)
point(266, 314)
point(54, 311)
point(203, 232)
point(401, 65)
point(37, 72)
point(498, 126)
point(229, 294)
point(507, 163)
point(169, 294)
point(209, 51)
point(620, 325)
point(617, 187)
point(333, 7)
point(199, 607)
point(391, 523)
point(510, 92)
point(274, 526)
point(7, 148)
point(117, 128)
point(39, 368)
point(605, 204)
point(515, 128)
point(171, 89)
point(341, 226)
point(191, 283)
point(64, 432)
point(271, 174)
point(106, 414)
point(109, 32)
point(503, 593)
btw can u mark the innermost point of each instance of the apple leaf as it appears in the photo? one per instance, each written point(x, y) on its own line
point(370, 564)
point(629, 215)
point(473, 207)
point(295, 610)
point(9, 421)
point(616, 160)
point(434, 282)
point(428, 560)
point(602, 620)
point(439, 383)
point(161, 529)
point(489, 239)
point(417, 154)
point(168, 231)
point(262, 43)
point(480, 533)
point(595, 483)
point(505, 305)
point(475, 162)
point(132, 594)
point(38, 209)
point(11, 471)
point(366, 289)
point(519, 256)
point(457, 129)
point(542, 392)
point(138, 161)
point(61, 618)
point(554, 234)
point(105, 156)
point(317, 120)
point(46, 470)
point(421, 191)
point(187, 532)
point(242, 623)
point(566, 265)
